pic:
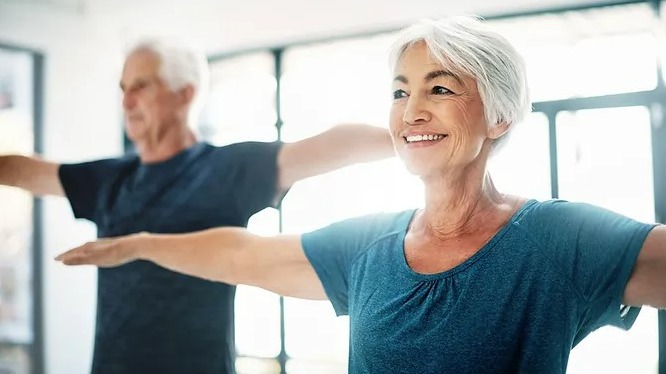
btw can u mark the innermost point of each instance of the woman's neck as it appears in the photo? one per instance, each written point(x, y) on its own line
point(458, 206)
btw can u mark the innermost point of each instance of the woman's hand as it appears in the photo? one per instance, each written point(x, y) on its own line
point(110, 252)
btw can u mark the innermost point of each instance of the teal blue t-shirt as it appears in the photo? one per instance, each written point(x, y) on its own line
point(553, 274)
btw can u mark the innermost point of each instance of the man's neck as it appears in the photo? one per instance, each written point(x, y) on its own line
point(165, 148)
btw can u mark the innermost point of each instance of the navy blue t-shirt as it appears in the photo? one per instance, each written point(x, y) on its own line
point(149, 319)
point(553, 274)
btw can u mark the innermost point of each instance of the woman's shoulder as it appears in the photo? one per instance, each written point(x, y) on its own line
point(557, 219)
point(377, 223)
point(361, 231)
point(559, 209)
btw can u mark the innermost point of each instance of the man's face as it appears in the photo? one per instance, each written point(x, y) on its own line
point(150, 107)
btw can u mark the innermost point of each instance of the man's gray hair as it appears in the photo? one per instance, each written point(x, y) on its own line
point(179, 66)
point(466, 46)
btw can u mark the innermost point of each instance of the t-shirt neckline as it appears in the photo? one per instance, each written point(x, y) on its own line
point(465, 264)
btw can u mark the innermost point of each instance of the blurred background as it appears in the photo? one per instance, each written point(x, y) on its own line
point(290, 69)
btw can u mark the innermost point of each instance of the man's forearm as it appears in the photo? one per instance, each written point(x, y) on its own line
point(358, 143)
point(8, 170)
point(335, 148)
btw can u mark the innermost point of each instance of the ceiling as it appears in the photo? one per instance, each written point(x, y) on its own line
point(483, 7)
point(233, 25)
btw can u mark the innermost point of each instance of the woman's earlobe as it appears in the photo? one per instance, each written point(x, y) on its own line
point(499, 129)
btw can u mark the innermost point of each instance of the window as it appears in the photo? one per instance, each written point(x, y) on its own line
point(605, 159)
point(17, 332)
point(241, 107)
point(241, 102)
point(521, 165)
point(586, 53)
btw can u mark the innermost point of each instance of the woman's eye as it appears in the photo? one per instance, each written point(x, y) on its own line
point(399, 94)
point(439, 90)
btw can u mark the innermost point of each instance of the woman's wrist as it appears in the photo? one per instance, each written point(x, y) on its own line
point(140, 246)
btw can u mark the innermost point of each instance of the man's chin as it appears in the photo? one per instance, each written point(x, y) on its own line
point(133, 136)
point(133, 131)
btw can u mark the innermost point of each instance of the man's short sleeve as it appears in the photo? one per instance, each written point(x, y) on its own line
point(597, 250)
point(85, 182)
point(257, 172)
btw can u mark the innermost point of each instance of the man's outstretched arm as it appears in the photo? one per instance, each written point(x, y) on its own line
point(335, 148)
point(31, 174)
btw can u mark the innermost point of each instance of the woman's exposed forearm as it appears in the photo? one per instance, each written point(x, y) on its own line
point(214, 254)
point(219, 254)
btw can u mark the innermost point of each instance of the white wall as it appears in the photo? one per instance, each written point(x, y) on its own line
point(82, 42)
point(231, 25)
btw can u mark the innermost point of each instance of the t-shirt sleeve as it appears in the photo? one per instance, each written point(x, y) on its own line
point(257, 172)
point(84, 185)
point(332, 251)
point(597, 249)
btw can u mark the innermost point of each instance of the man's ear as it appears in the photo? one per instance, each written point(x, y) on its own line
point(499, 129)
point(187, 94)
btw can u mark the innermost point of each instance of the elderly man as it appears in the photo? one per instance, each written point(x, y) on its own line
point(149, 319)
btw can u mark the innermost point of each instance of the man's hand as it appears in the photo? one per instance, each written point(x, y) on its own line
point(105, 253)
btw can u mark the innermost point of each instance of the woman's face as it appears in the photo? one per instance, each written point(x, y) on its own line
point(437, 120)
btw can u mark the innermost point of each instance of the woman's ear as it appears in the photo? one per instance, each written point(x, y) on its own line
point(499, 129)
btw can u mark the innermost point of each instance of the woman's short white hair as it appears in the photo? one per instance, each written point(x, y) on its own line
point(180, 65)
point(466, 46)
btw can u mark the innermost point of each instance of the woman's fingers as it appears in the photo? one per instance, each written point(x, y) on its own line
point(104, 253)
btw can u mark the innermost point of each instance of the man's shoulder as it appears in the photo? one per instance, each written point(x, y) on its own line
point(100, 164)
point(242, 152)
point(244, 146)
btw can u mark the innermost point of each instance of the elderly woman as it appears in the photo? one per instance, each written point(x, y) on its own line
point(477, 281)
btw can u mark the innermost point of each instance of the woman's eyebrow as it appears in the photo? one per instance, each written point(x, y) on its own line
point(441, 73)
